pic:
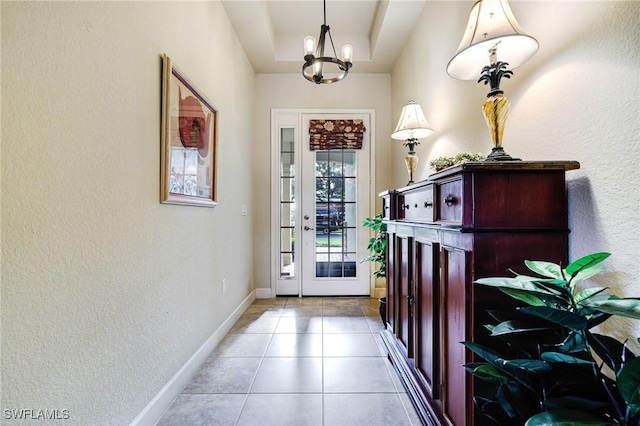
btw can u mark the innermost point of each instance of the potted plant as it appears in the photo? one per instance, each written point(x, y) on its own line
point(444, 162)
point(547, 366)
point(378, 253)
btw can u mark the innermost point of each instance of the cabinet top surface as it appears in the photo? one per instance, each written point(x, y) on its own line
point(495, 166)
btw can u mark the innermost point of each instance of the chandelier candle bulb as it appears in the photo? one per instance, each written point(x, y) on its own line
point(347, 53)
point(309, 45)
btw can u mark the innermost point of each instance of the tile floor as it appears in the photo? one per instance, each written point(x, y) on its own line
point(298, 361)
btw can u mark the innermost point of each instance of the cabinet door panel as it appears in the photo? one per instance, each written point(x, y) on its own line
point(427, 323)
point(391, 280)
point(455, 315)
point(404, 251)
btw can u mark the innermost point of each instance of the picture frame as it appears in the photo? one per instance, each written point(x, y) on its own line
point(188, 141)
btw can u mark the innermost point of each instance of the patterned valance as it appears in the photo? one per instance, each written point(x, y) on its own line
point(335, 134)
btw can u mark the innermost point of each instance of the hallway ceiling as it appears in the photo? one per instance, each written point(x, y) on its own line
point(271, 31)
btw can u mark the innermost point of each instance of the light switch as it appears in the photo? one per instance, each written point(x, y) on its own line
point(245, 210)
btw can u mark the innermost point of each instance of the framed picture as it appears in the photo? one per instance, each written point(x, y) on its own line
point(189, 139)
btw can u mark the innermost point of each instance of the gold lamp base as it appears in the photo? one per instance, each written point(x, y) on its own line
point(495, 110)
point(411, 160)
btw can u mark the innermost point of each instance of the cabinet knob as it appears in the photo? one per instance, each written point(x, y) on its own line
point(428, 204)
point(405, 206)
point(450, 200)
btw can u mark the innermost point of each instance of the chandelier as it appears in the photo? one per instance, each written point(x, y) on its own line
point(322, 69)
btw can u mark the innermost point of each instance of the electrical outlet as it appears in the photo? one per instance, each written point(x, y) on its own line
point(224, 285)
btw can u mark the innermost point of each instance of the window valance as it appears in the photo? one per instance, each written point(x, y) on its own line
point(335, 134)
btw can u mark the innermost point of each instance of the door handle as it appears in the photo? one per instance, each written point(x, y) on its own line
point(306, 228)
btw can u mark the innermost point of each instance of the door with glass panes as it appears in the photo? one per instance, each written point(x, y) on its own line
point(324, 191)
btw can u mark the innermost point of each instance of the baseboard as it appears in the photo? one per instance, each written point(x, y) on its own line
point(379, 292)
point(158, 405)
point(263, 293)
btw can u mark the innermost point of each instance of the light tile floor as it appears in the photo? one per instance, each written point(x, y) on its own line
point(298, 361)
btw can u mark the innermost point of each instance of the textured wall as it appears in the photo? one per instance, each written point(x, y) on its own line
point(105, 292)
point(578, 99)
point(357, 91)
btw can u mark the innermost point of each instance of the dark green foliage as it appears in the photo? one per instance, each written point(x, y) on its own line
point(377, 244)
point(547, 366)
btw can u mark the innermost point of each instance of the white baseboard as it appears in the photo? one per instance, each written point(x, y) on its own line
point(158, 405)
point(379, 292)
point(263, 293)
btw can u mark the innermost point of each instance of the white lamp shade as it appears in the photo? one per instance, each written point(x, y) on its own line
point(412, 123)
point(491, 22)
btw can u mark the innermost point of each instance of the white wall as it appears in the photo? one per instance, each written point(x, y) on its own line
point(356, 91)
point(106, 292)
point(577, 99)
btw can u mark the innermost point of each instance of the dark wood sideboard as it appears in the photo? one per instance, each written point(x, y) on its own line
point(470, 221)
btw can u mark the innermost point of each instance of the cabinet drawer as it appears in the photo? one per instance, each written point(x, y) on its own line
point(449, 201)
point(417, 205)
point(388, 206)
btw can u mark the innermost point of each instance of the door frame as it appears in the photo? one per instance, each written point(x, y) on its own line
point(276, 114)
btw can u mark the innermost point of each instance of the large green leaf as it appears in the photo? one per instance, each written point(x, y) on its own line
point(595, 318)
point(504, 401)
point(554, 357)
point(514, 283)
point(548, 282)
point(529, 365)
point(586, 293)
point(561, 293)
point(574, 403)
point(489, 373)
point(608, 349)
point(624, 307)
point(492, 411)
point(573, 343)
point(566, 319)
point(527, 297)
point(520, 399)
point(578, 377)
point(546, 269)
point(510, 327)
point(586, 262)
point(585, 274)
point(565, 418)
point(629, 384)
point(484, 352)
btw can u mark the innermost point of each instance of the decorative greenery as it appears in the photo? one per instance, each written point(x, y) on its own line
point(547, 366)
point(377, 244)
point(441, 163)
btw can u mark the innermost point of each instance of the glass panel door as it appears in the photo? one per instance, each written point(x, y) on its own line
point(287, 202)
point(286, 132)
point(335, 199)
